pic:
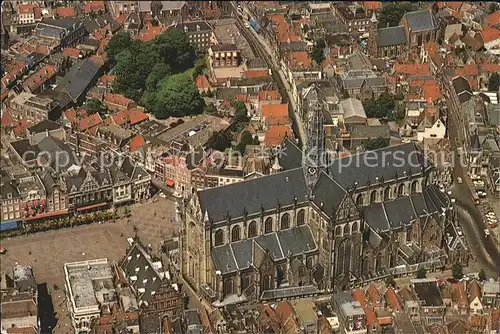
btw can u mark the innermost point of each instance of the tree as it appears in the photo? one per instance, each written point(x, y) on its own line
point(383, 107)
point(241, 112)
point(317, 53)
point(482, 275)
point(199, 66)
point(494, 82)
point(118, 43)
point(129, 81)
point(210, 108)
point(374, 144)
point(173, 46)
point(493, 7)
point(176, 96)
point(421, 273)
point(389, 281)
point(457, 271)
point(255, 141)
point(94, 106)
point(219, 141)
point(159, 72)
point(392, 13)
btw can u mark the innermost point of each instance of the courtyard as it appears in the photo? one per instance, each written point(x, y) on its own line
point(46, 252)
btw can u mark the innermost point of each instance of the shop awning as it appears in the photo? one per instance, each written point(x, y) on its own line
point(48, 215)
point(92, 206)
point(9, 225)
point(170, 183)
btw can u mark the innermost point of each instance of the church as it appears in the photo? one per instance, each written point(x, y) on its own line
point(302, 231)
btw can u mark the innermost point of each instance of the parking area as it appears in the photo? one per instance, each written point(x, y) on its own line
point(46, 252)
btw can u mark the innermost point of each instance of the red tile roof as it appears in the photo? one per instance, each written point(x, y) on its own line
point(14, 71)
point(119, 118)
point(65, 11)
point(269, 95)
point(495, 319)
point(256, 74)
point(431, 48)
point(467, 69)
point(458, 293)
point(136, 143)
point(284, 31)
point(373, 294)
point(299, 59)
point(490, 67)
point(21, 127)
point(412, 69)
point(98, 60)
point(26, 9)
point(275, 134)
point(243, 97)
point(136, 116)
point(21, 330)
point(359, 296)
point(117, 101)
point(8, 120)
point(371, 318)
point(105, 80)
point(431, 93)
point(284, 311)
point(392, 299)
point(372, 5)
point(490, 34)
point(275, 114)
point(202, 82)
point(493, 19)
point(93, 6)
point(474, 290)
point(89, 122)
point(40, 77)
point(72, 52)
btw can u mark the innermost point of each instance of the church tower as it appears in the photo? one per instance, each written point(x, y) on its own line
point(372, 42)
point(315, 158)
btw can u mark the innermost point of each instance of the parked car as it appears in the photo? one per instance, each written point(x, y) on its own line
point(176, 194)
point(486, 232)
point(162, 195)
point(459, 180)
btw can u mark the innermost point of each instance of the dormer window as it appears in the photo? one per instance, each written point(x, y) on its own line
point(9, 195)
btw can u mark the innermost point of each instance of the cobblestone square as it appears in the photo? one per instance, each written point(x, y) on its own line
point(46, 252)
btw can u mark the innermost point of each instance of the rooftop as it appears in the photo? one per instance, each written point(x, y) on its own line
point(90, 283)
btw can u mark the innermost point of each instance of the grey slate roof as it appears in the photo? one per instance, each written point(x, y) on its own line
point(293, 46)
point(194, 26)
point(253, 195)
point(64, 23)
point(398, 213)
point(421, 20)
point(328, 194)
point(45, 125)
point(141, 260)
point(57, 151)
point(391, 36)
point(240, 255)
point(386, 164)
point(78, 79)
point(369, 131)
point(291, 155)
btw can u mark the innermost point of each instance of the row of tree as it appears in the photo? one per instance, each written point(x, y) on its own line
point(156, 73)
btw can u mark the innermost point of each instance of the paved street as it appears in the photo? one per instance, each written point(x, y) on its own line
point(262, 49)
point(484, 249)
point(50, 250)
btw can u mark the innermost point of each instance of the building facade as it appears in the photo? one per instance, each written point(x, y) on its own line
point(267, 235)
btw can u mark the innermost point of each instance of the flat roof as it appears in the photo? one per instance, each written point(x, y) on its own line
point(90, 282)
